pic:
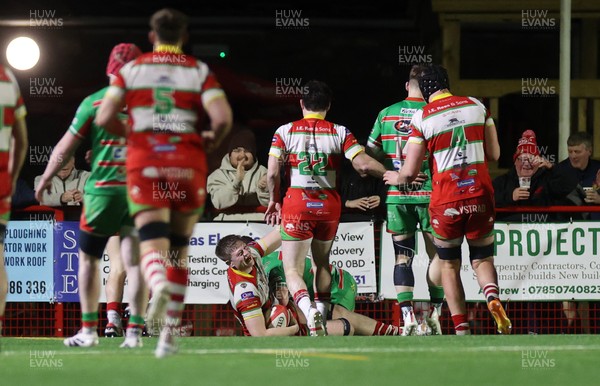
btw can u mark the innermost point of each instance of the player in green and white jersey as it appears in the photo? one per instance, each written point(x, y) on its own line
point(407, 206)
point(105, 210)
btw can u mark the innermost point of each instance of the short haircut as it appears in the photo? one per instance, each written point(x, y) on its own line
point(225, 247)
point(317, 96)
point(247, 239)
point(415, 70)
point(169, 25)
point(579, 138)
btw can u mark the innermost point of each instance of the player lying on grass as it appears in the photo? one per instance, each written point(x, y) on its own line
point(249, 287)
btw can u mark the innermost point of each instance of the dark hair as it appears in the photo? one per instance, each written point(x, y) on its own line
point(169, 25)
point(247, 239)
point(415, 71)
point(224, 247)
point(317, 96)
point(579, 138)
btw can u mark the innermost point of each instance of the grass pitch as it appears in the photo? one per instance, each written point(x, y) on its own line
point(368, 361)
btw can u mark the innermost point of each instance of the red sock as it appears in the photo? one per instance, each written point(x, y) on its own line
point(113, 306)
point(177, 278)
point(386, 329)
point(490, 291)
point(461, 324)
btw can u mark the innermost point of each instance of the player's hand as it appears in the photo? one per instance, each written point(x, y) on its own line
point(520, 194)
point(209, 140)
point(44, 185)
point(391, 177)
point(262, 183)
point(421, 178)
point(273, 213)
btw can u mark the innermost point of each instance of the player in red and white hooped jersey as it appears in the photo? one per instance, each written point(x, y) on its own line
point(168, 95)
point(312, 150)
point(249, 285)
point(12, 127)
point(461, 137)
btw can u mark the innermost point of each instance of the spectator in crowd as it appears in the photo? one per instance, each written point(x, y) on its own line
point(363, 198)
point(533, 181)
point(587, 171)
point(23, 196)
point(239, 186)
point(67, 186)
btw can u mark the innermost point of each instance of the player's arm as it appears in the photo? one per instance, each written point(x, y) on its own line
point(19, 148)
point(415, 152)
point(365, 164)
point(271, 241)
point(492, 147)
point(63, 151)
point(273, 185)
point(257, 327)
point(221, 117)
point(107, 115)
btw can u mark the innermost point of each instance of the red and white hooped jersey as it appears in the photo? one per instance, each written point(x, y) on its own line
point(165, 93)
point(312, 150)
point(453, 128)
point(249, 292)
point(11, 108)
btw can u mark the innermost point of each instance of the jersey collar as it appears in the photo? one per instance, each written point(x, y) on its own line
point(241, 273)
point(440, 96)
point(314, 115)
point(170, 48)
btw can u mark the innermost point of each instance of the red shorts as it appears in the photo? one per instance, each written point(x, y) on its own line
point(293, 228)
point(177, 188)
point(473, 218)
point(5, 208)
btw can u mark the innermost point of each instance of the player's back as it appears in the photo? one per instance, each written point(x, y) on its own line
point(454, 127)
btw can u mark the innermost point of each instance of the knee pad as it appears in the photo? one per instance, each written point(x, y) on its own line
point(154, 230)
point(452, 253)
point(477, 253)
point(405, 247)
point(91, 244)
point(178, 241)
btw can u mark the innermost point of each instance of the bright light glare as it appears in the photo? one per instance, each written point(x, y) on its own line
point(22, 53)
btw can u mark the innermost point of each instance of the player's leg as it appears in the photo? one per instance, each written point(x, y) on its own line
point(479, 232)
point(340, 327)
point(136, 288)
point(482, 261)
point(363, 325)
point(153, 230)
point(182, 226)
point(402, 223)
point(434, 283)
point(114, 288)
point(3, 275)
point(91, 248)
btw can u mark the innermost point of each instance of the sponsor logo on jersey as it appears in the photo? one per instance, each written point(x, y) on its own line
point(313, 204)
point(244, 285)
point(467, 209)
point(472, 172)
point(247, 295)
point(407, 111)
point(454, 122)
point(451, 212)
point(164, 148)
point(464, 183)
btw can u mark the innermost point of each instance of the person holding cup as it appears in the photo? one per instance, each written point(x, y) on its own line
point(533, 181)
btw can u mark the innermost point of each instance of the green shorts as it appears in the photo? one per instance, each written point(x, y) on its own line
point(343, 292)
point(402, 219)
point(104, 215)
